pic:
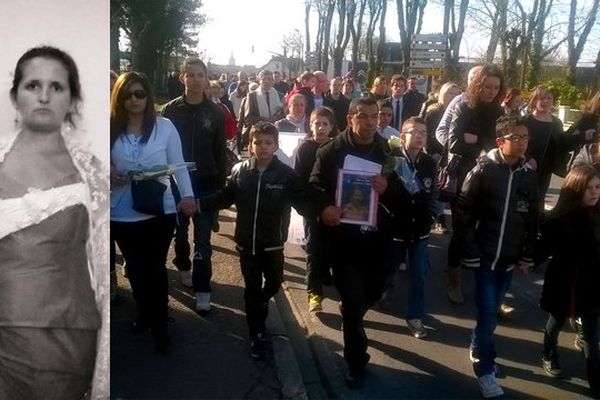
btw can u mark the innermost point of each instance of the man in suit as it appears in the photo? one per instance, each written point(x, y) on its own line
point(405, 103)
point(413, 99)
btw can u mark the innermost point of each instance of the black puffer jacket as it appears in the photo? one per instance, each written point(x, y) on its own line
point(497, 213)
point(201, 128)
point(263, 202)
point(413, 215)
point(572, 276)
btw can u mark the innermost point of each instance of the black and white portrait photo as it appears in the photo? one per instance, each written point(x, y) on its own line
point(54, 304)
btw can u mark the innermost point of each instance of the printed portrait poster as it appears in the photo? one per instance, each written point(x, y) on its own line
point(356, 197)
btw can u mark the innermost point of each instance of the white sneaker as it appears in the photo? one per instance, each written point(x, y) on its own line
point(489, 387)
point(186, 278)
point(202, 302)
point(402, 267)
point(416, 328)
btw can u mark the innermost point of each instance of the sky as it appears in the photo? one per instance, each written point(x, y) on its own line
point(253, 30)
point(237, 28)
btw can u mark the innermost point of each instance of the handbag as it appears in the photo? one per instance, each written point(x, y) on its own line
point(448, 179)
point(148, 196)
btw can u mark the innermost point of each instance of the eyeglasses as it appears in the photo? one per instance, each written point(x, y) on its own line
point(517, 138)
point(138, 94)
point(416, 132)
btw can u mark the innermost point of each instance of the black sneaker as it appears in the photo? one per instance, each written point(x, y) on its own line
point(551, 367)
point(258, 347)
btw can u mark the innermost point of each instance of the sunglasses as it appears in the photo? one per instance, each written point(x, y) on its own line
point(138, 94)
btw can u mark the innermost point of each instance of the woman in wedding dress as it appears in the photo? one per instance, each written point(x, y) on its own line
point(53, 241)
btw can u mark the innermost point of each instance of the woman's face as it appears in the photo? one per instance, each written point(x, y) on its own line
point(321, 128)
point(135, 105)
point(592, 192)
point(357, 197)
point(297, 107)
point(544, 103)
point(516, 103)
point(489, 89)
point(43, 96)
point(347, 89)
point(381, 87)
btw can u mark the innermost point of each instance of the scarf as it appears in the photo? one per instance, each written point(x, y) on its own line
point(274, 106)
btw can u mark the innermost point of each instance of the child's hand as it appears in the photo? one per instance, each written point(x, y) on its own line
point(379, 184)
point(523, 267)
point(187, 206)
point(589, 135)
point(331, 215)
point(469, 138)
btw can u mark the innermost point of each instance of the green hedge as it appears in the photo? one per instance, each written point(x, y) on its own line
point(568, 94)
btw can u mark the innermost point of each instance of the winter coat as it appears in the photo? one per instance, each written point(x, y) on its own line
point(263, 201)
point(573, 274)
point(497, 213)
point(414, 214)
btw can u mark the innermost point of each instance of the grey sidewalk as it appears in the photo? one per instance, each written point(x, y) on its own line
point(209, 357)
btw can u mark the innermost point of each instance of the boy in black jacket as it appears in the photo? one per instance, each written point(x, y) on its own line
point(414, 209)
point(497, 227)
point(263, 189)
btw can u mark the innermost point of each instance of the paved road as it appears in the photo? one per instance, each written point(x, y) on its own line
point(209, 357)
point(437, 367)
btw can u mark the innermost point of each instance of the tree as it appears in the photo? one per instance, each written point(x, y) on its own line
point(325, 10)
point(596, 83)
point(157, 30)
point(376, 13)
point(410, 18)
point(454, 32)
point(491, 17)
point(346, 11)
point(575, 49)
point(356, 30)
point(116, 13)
point(307, 6)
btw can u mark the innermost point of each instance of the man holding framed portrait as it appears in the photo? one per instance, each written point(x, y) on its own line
point(346, 199)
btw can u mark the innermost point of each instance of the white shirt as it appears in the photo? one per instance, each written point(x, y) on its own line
point(128, 154)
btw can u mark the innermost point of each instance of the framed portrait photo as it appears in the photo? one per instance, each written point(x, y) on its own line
point(356, 197)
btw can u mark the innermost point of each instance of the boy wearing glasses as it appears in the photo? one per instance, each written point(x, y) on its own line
point(414, 211)
point(497, 224)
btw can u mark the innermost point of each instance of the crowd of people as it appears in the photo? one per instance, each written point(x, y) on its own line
point(480, 150)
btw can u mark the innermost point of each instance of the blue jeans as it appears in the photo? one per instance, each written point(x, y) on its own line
point(202, 271)
point(418, 265)
point(490, 288)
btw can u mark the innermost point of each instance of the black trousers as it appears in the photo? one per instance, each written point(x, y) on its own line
point(359, 274)
point(145, 245)
point(256, 295)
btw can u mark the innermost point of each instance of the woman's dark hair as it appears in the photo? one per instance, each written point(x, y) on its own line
point(51, 53)
point(327, 113)
point(474, 89)
point(573, 189)
point(118, 114)
point(510, 96)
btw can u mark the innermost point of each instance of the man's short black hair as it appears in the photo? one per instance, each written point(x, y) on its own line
point(264, 128)
point(361, 101)
point(507, 122)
